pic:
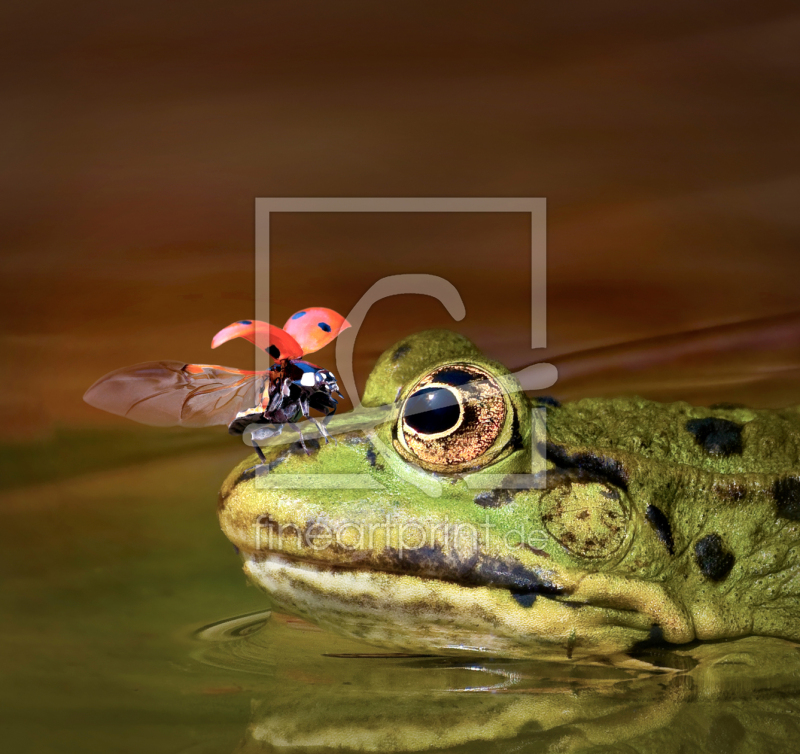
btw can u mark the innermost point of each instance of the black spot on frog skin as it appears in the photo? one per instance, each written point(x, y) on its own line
point(713, 559)
point(516, 442)
point(454, 377)
point(787, 497)
point(400, 352)
point(524, 600)
point(593, 467)
point(476, 570)
point(656, 518)
point(494, 498)
point(547, 400)
point(724, 406)
point(535, 550)
point(372, 456)
point(718, 437)
point(266, 521)
point(656, 634)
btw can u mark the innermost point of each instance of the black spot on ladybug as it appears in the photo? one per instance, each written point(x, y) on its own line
point(787, 497)
point(245, 321)
point(718, 437)
point(274, 351)
point(713, 559)
point(400, 352)
point(547, 400)
point(524, 600)
point(494, 498)
point(298, 315)
point(324, 326)
point(656, 518)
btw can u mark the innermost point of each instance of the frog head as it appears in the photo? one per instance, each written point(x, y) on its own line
point(455, 518)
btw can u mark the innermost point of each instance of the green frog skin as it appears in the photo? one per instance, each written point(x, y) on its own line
point(443, 529)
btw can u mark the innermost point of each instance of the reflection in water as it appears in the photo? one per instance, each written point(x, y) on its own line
point(325, 693)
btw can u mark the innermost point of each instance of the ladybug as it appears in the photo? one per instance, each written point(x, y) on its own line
point(172, 393)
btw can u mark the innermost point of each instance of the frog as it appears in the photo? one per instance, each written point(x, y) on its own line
point(472, 518)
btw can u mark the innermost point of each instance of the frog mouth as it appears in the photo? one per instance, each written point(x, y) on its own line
point(432, 563)
point(506, 586)
point(413, 613)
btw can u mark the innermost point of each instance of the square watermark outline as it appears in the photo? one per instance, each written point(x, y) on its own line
point(536, 207)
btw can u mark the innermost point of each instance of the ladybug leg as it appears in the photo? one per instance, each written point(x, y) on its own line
point(275, 401)
point(328, 416)
point(260, 452)
point(321, 428)
point(302, 441)
point(264, 433)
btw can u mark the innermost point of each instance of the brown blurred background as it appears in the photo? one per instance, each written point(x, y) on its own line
point(136, 137)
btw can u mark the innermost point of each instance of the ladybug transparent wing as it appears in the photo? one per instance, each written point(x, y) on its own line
point(276, 342)
point(315, 327)
point(755, 362)
point(172, 393)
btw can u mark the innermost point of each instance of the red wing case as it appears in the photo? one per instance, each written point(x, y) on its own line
point(173, 393)
point(273, 340)
point(315, 327)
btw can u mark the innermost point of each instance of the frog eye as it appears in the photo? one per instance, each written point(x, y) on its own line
point(452, 416)
point(433, 412)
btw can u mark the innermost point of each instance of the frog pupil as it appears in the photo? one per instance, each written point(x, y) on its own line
point(432, 410)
